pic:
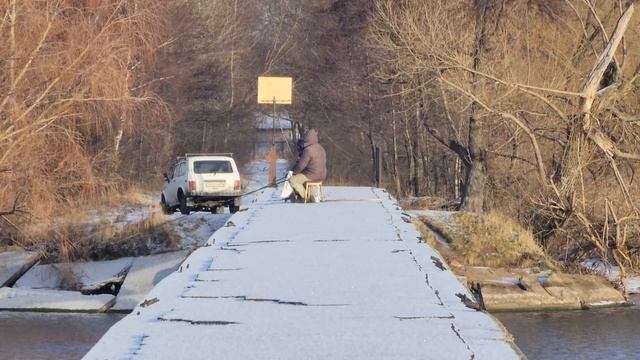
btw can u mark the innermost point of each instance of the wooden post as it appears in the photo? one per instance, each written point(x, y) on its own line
point(272, 157)
point(378, 165)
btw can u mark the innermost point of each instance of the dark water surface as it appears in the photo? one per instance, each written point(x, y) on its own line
point(612, 333)
point(593, 334)
point(37, 336)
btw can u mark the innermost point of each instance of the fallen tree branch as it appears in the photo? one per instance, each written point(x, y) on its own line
point(15, 208)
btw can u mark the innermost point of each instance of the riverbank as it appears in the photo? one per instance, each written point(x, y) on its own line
point(504, 267)
point(30, 283)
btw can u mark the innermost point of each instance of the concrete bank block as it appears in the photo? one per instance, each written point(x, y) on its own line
point(53, 300)
point(527, 297)
point(555, 292)
point(144, 274)
point(84, 276)
point(13, 264)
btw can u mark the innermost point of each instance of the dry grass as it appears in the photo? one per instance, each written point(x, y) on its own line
point(4, 248)
point(427, 235)
point(489, 240)
point(130, 195)
point(76, 236)
point(425, 203)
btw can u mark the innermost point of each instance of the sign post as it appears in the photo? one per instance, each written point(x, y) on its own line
point(274, 90)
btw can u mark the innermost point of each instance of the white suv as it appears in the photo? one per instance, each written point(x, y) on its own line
point(202, 182)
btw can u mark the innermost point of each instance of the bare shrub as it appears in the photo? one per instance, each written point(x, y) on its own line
point(76, 87)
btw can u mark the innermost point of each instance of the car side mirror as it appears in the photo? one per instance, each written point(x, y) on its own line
point(166, 177)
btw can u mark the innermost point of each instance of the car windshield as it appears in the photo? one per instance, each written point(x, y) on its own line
point(212, 166)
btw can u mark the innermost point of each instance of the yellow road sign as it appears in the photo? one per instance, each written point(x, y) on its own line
point(276, 90)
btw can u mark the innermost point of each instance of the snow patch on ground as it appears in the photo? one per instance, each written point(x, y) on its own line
point(441, 216)
point(612, 273)
point(194, 230)
point(121, 216)
point(606, 303)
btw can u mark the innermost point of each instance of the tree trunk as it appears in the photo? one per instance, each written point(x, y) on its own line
point(227, 124)
point(410, 150)
point(396, 173)
point(474, 189)
point(473, 192)
point(417, 157)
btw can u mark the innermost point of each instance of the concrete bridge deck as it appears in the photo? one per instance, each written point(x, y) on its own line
point(347, 278)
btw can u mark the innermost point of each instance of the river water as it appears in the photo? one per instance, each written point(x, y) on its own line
point(593, 334)
point(36, 336)
point(612, 333)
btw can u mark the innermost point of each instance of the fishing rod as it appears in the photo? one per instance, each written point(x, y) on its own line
point(278, 182)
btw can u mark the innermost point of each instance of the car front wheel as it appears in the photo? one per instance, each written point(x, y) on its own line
point(165, 208)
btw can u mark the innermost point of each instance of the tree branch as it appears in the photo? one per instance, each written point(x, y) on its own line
point(514, 119)
point(15, 209)
point(451, 144)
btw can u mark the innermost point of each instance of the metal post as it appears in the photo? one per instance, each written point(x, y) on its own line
point(273, 154)
point(273, 124)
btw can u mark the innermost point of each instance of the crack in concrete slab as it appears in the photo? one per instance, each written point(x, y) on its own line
point(202, 297)
point(450, 316)
point(457, 332)
point(275, 301)
point(231, 249)
point(137, 345)
point(199, 322)
point(206, 264)
point(250, 299)
point(227, 269)
point(266, 241)
point(236, 245)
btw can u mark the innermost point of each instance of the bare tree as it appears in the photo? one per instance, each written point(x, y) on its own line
point(71, 90)
point(504, 67)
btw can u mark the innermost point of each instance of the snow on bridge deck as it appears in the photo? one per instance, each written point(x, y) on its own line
point(343, 279)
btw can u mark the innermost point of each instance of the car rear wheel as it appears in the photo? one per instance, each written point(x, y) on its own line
point(165, 208)
point(234, 208)
point(184, 209)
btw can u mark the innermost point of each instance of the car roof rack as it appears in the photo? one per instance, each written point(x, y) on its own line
point(205, 154)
